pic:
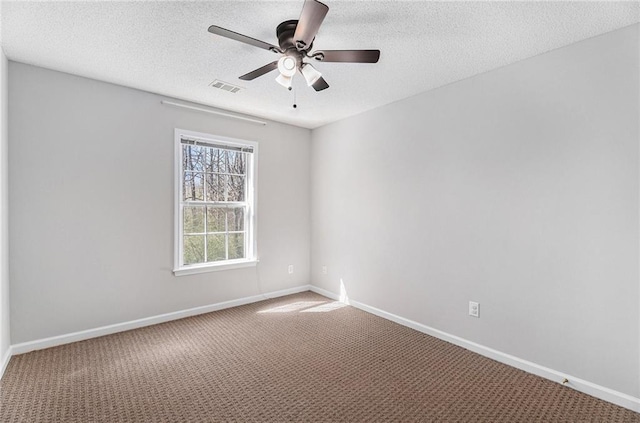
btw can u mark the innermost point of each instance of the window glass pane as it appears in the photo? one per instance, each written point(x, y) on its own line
point(218, 159)
point(193, 220)
point(235, 188)
point(193, 157)
point(216, 248)
point(215, 160)
point(215, 187)
point(235, 219)
point(216, 219)
point(236, 246)
point(193, 249)
point(236, 162)
point(193, 186)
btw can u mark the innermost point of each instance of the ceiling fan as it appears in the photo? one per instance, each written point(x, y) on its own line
point(295, 40)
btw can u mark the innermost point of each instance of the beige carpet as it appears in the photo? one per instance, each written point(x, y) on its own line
point(297, 358)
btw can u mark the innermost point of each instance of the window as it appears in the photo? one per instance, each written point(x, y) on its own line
point(215, 203)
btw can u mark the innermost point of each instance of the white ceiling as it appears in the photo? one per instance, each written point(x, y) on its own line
point(164, 47)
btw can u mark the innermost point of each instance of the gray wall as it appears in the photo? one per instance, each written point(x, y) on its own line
point(91, 204)
point(517, 188)
point(5, 338)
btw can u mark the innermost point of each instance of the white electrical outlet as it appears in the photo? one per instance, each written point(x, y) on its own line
point(290, 269)
point(324, 270)
point(474, 309)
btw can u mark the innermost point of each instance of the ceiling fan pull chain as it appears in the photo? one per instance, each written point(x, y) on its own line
point(295, 105)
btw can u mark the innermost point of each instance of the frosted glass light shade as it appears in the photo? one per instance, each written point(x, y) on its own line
point(311, 75)
point(287, 66)
point(285, 81)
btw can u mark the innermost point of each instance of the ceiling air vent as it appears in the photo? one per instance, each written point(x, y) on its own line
point(225, 86)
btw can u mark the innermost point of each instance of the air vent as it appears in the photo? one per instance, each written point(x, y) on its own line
point(225, 86)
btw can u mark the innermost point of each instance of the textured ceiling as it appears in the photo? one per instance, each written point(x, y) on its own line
point(164, 47)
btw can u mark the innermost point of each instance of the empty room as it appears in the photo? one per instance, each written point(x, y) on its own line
point(319, 211)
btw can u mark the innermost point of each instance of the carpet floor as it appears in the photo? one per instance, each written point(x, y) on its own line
point(298, 358)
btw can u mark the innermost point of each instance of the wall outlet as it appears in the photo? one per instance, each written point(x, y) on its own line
point(324, 270)
point(474, 309)
point(290, 269)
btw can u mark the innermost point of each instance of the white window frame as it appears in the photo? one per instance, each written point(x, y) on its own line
point(251, 258)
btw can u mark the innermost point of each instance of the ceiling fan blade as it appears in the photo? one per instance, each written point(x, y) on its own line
point(349, 56)
point(313, 13)
point(260, 71)
point(243, 38)
point(320, 84)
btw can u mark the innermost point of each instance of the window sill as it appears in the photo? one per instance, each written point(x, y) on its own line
point(192, 270)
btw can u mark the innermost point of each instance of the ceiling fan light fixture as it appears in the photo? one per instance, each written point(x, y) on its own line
point(287, 66)
point(311, 74)
point(283, 80)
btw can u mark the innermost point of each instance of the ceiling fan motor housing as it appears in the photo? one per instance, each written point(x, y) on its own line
point(285, 32)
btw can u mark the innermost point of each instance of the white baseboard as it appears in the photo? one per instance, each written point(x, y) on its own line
point(606, 394)
point(5, 360)
point(326, 293)
point(54, 341)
